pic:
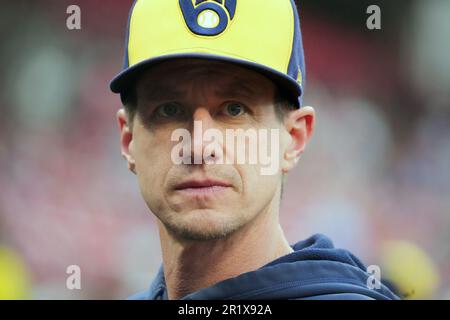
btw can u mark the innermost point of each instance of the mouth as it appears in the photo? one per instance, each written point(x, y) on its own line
point(202, 187)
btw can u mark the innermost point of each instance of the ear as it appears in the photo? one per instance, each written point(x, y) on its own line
point(299, 125)
point(126, 139)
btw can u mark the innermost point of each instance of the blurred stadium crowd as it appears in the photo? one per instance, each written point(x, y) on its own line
point(375, 178)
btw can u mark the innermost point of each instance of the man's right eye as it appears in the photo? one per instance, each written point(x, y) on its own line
point(169, 110)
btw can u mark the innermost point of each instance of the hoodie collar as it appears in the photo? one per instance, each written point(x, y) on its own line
point(315, 267)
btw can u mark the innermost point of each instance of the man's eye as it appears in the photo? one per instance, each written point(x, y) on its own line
point(235, 109)
point(169, 110)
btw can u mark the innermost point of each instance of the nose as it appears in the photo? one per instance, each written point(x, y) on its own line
point(205, 149)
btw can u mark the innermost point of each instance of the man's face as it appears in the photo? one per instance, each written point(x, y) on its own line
point(201, 201)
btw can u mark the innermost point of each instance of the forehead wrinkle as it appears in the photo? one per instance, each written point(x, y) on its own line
point(175, 82)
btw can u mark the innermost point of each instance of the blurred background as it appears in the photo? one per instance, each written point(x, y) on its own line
point(375, 177)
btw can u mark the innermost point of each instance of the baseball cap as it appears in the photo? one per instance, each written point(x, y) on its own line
point(262, 35)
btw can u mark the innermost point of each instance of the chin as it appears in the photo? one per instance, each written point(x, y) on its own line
point(205, 224)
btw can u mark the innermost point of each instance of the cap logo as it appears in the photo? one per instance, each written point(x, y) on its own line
point(208, 17)
point(299, 76)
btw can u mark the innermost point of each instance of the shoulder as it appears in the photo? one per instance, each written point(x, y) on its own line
point(339, 296)
point(143, 295)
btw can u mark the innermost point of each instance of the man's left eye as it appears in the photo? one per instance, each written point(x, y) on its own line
point(235, 109)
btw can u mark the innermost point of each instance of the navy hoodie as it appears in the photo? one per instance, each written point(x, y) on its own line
point(315, 271)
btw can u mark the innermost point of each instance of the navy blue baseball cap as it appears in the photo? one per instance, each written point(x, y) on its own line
point(263, 35)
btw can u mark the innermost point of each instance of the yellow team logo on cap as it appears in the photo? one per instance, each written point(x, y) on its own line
point(299, 76)
point(208, 17)
point(236, 29)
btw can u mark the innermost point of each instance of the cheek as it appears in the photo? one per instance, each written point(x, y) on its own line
point(152, 156)
point(261, 181)
point(258, 189)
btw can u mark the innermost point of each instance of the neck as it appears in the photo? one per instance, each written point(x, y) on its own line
point(192, 265)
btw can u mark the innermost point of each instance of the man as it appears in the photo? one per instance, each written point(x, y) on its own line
point(197, 75)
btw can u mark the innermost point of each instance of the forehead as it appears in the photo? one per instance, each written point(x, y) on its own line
point(182, 72)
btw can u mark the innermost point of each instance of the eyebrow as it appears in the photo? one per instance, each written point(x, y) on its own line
point(238, 89)
point(161, 91)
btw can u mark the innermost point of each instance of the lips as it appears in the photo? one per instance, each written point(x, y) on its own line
point(202, 189)
point(202, 184)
